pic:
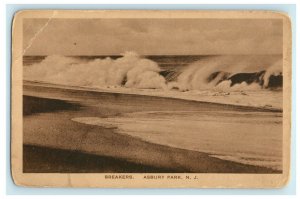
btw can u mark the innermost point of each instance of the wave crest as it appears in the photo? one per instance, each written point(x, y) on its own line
point(130, 70)
point(223, 73)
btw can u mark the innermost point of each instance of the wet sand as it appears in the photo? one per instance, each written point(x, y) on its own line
point(55, 143)
point(49, 160)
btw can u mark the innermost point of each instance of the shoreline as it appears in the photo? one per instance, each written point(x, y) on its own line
point(73, 136)
point(27, 83)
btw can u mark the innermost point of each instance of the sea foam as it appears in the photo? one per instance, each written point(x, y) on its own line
point(219, 73)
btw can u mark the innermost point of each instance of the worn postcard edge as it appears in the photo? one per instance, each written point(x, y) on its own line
point(205, 180)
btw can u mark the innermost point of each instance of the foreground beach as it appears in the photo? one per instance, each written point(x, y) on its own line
point(53, 142)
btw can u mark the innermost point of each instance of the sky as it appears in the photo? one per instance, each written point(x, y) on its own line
point(152, 36)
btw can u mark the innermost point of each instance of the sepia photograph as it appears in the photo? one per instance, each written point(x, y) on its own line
point(161, 95)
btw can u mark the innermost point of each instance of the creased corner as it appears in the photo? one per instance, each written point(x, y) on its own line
point(31, 41)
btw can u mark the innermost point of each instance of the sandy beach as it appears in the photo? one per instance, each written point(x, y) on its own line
point(53, 142)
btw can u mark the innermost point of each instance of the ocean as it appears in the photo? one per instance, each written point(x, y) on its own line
point(253, 138)
point(196, 77)
point(188, 72)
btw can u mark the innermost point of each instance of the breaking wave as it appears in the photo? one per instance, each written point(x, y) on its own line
point(129, 71)
point(230, 73)
point(221, 73)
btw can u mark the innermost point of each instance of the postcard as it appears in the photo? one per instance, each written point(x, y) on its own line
point(151, 99)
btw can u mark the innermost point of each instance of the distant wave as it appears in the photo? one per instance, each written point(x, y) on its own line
point(224, 73)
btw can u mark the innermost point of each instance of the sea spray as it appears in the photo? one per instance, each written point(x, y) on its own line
point(216, 73)
point(229, 73)
point(273, 70)
point(131, 70)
